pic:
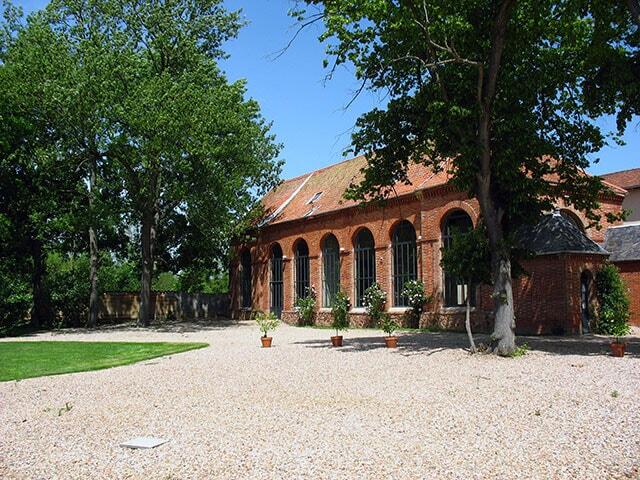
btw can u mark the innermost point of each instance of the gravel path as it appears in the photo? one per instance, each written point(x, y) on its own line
point(305, 410)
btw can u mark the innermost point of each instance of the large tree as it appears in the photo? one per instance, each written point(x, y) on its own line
point(491, 91)
point(192, 152)
point(51, 85)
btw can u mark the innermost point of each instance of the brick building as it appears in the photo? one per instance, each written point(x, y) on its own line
point(623, 243)
point(312, 237)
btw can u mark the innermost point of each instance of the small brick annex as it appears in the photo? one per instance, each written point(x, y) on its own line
point(547, 300)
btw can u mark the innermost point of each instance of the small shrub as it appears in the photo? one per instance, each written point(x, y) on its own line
point(520, 351)
point(613, 302)
point(306, 307)
point(340, 311)
point(266, 322)
point(387, 324)
point(374, 300)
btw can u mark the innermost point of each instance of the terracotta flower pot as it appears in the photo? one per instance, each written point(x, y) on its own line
point(266, 342)
point(336, 340)
point(617, 349)
point(391, 342)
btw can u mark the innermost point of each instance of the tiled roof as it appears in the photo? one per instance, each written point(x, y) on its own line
point(292, 199)
point(332, 181)
point(627, 179)
point(555, 233)
point(623, 242)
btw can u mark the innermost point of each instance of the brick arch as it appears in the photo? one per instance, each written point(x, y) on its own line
point(326, 235)
point(357, 231)
point(574, 217)
point(295, 244)
point(451, 207)
point(395, 224)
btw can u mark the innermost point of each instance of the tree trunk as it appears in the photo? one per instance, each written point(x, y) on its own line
point(467, 322)
point(42, 313)
point(504, 338)
point(149, 226)
point(93, 254)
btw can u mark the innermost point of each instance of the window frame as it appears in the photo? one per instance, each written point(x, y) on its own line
point(302, 273)
point(450, 283)
point(330, 270)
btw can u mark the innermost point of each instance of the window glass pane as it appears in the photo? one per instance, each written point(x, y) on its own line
point(302, 269)
point(404, 260)
point(330, 270)
point(276, 283)
point(365, 264)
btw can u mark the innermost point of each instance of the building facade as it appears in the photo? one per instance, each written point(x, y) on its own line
point(312, 238)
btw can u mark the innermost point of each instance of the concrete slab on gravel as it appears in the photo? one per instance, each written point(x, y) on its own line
point(144, 442)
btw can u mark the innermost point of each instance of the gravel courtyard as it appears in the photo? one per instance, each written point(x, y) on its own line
point(305, 410)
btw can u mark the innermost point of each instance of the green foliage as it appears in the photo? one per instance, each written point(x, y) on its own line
point(468, 257)
point(305, 307)
point(387, 324)
point(613, 302)
point(340, 311)
point(374, 300)
point(520, 351)
point(35, 359)
point(166, 282)
point(68, 282)
point(266, 322)
point(415, 293)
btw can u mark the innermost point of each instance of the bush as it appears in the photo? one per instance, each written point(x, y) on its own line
point(306, 307)
point(340, 311)
point(266, 322)
point(613, 302)
point(15, 302)
point(374, 301)
point(413, 290)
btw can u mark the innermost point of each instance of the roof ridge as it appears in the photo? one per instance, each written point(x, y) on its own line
point(619, 171)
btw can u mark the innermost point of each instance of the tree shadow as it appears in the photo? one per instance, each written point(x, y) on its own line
point(192, 326)
point(428, 343)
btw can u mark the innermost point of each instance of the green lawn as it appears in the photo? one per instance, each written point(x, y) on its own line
point(20, 360)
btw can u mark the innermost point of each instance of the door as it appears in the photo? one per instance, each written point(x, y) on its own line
point(585, 291)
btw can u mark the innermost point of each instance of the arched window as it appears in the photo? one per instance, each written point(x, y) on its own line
point(302, 269)
point(405, 265)
point(245, 278)
point(455, 290)
point(365, 264)
point(330, 270)
point(276, 284)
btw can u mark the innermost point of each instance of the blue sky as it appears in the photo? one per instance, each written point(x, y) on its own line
point(308, 114)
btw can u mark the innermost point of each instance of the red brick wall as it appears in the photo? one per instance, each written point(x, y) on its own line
point(630, 272)
point(544, 301)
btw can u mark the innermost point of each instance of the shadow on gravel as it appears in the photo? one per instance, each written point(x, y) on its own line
point(164, 327)
point(428, 343)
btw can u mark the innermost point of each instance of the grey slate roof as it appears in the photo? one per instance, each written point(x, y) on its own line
point(555, 233)
point(623, 242)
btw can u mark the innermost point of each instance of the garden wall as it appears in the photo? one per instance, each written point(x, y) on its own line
point(124, 306)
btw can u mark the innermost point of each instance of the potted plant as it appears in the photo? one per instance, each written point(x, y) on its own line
point(267, 322)
point(340, 312)
point(306, 307)
point(389, 326)
point(613, 307)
